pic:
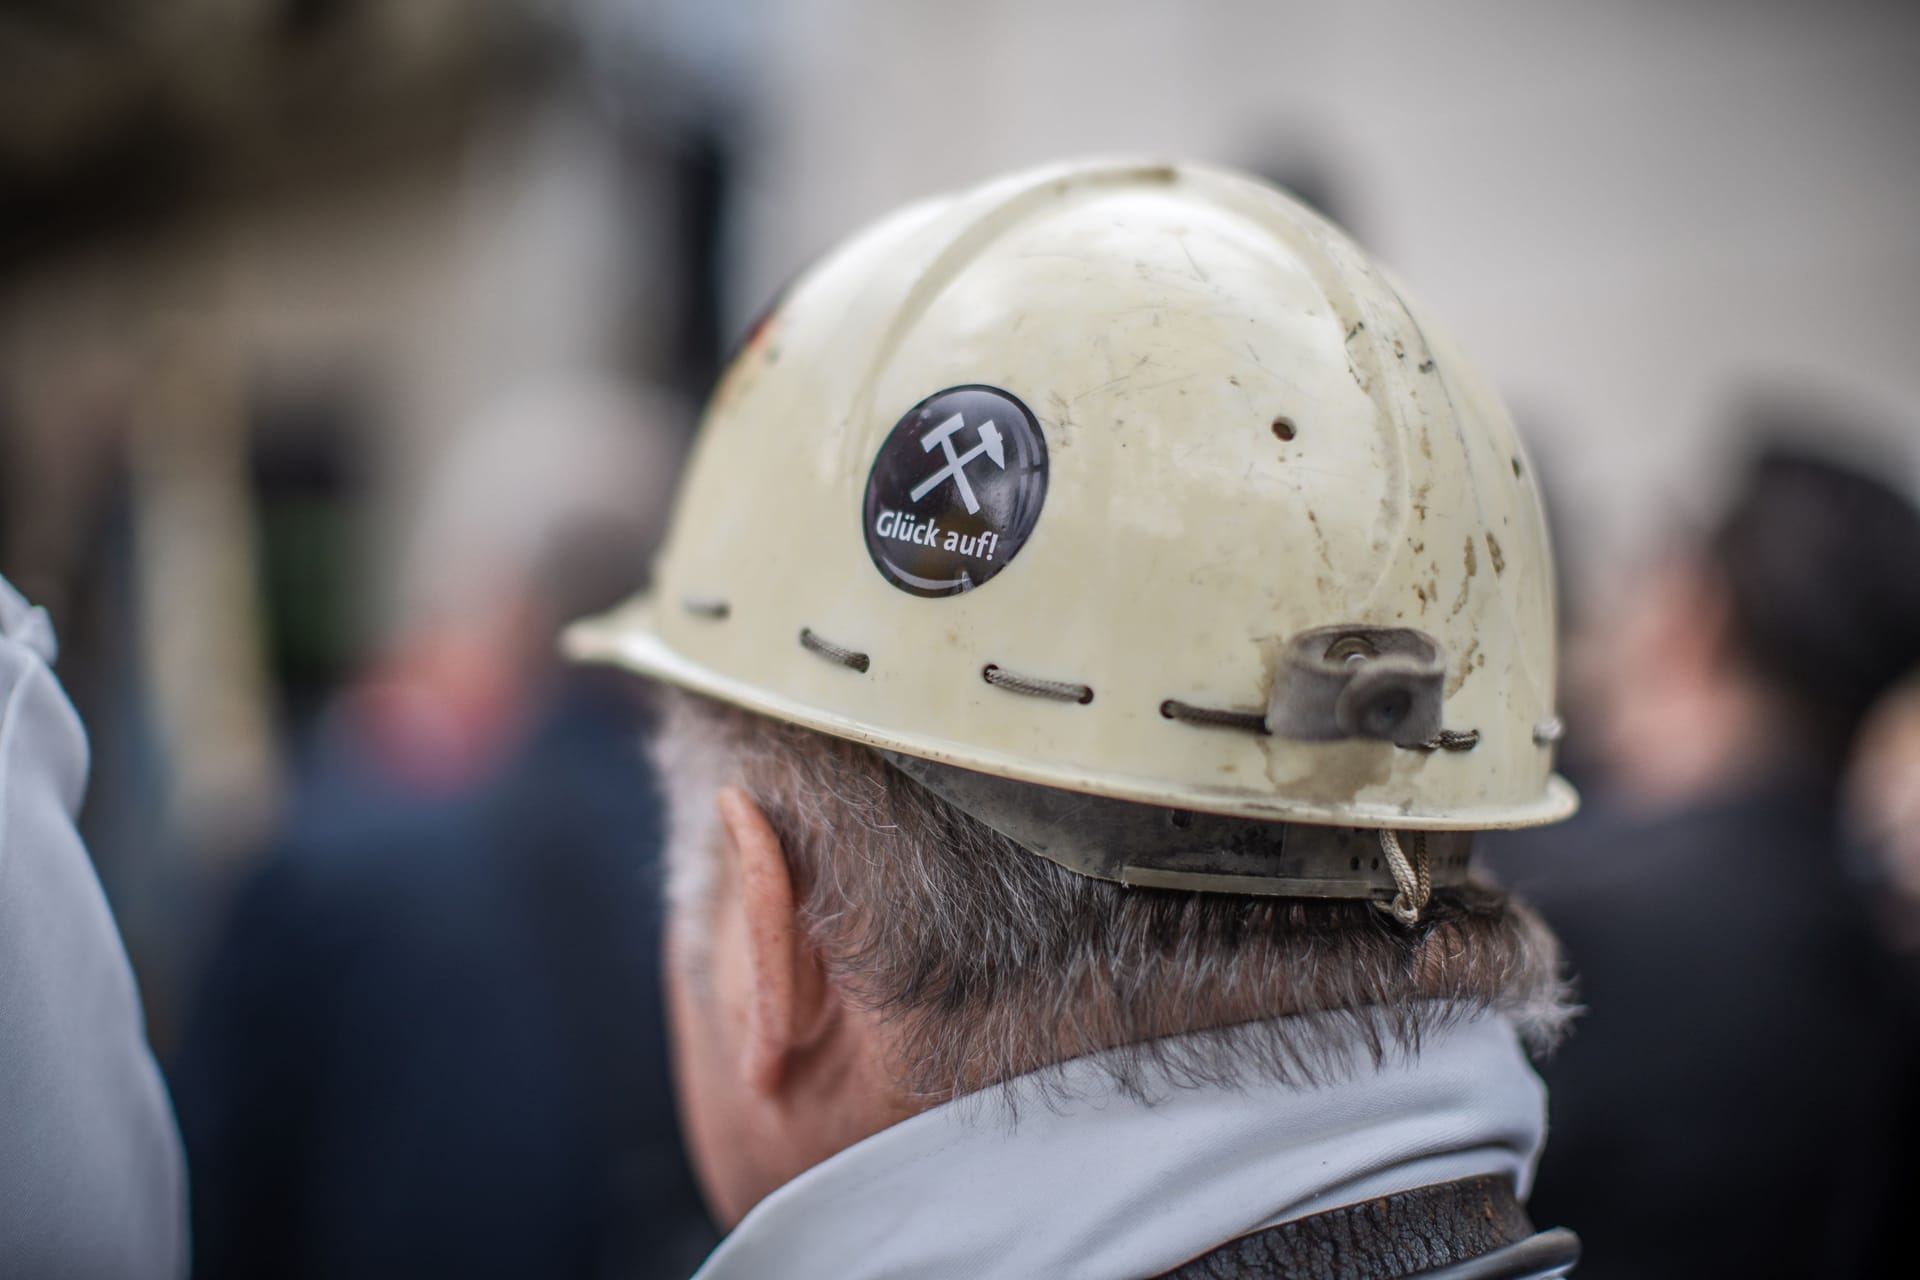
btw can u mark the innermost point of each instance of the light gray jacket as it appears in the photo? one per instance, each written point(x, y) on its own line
point(92, 1179)
point(1072, 1178)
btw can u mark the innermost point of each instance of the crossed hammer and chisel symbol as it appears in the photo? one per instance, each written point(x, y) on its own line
point(941, 438)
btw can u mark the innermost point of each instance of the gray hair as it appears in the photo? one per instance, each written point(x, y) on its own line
point(989, 962)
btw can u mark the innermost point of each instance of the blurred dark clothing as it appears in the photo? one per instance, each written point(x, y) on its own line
point(1739, 1099)
point(431, 1040)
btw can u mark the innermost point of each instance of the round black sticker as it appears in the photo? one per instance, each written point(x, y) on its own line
point(955, 490)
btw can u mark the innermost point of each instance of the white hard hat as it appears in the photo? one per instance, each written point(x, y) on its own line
point(1132, 481)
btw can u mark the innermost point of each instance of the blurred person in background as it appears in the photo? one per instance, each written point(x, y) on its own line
point(429, 1041)
point(91, 1178)
point(1739, 1098)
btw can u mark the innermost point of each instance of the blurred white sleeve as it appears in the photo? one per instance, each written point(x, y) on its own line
point(92, 1179)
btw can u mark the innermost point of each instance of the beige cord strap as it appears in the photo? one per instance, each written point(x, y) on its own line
point(1214, 717)
point(1414, 878)
point(815, 643)
point(1036, 686)
point(1449, 740)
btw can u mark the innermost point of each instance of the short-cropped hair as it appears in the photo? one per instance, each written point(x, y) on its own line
point(990, 962)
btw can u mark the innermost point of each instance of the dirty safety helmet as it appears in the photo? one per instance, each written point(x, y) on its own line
point(1135, 510)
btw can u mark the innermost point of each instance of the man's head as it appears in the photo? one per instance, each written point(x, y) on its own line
point(846, 948)
point(1107, 606)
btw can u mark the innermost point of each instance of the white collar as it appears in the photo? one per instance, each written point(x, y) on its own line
point(1103, 1185)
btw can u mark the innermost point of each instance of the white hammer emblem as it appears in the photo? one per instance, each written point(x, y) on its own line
point(941, 437)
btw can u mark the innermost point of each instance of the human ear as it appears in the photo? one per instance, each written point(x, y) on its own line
point(789, 1003)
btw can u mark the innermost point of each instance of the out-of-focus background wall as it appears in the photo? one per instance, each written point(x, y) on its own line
point(284, 283)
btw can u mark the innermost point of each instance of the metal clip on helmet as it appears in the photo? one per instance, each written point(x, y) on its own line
point(1135, 510)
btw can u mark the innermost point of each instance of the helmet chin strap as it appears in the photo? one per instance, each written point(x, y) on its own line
point(1146, 846)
